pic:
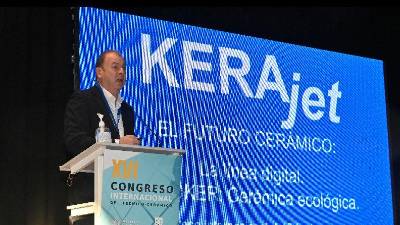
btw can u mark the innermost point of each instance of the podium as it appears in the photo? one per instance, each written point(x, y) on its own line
point(132, 184)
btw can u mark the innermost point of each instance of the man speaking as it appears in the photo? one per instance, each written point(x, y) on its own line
point(81, 120)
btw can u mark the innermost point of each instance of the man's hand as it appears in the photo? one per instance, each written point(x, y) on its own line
point(129, 140)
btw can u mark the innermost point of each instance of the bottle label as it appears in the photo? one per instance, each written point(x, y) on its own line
point(103, 137)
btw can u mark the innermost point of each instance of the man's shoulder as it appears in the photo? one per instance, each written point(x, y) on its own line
point(87, 93)
point(82, 98)
point(126, 105)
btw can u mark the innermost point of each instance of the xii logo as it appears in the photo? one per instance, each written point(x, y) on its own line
point(125, 169)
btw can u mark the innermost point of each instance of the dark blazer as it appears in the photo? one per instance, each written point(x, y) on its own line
point(80, 124)
point(81, 120)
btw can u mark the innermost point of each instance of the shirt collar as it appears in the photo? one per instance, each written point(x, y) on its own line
point(112, 101)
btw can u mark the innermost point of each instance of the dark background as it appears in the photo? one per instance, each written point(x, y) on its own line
point(37, 74)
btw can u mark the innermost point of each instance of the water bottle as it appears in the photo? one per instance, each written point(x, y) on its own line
point(103, 134)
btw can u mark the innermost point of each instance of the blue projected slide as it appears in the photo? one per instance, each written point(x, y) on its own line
point(275, 133)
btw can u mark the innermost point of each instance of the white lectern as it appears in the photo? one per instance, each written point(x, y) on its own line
point(92, 161)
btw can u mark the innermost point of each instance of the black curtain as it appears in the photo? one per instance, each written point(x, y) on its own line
point(37, 80)
point(36, 70)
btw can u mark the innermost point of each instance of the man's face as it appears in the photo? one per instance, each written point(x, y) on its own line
point(111, 74)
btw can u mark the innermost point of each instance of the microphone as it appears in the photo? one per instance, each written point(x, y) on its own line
point(159, 142)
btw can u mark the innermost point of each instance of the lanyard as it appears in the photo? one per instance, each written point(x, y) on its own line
point(108, 109)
